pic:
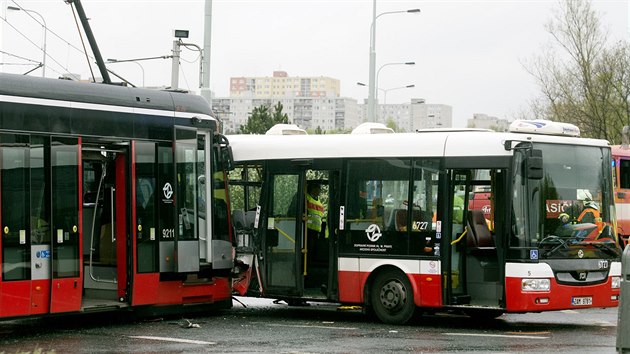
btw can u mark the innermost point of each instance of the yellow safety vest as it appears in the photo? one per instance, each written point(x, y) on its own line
point(315, 213)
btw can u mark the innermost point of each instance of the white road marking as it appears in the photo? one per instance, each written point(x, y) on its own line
point(309, 326)
point(495, 335)
point(176, 340)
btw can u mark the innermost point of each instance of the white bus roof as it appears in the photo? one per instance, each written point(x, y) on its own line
point(427, 144)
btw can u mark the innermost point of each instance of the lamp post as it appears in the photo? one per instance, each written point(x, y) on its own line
point(385, 91)
point(389, 89)
point(14, 8)
point(113, 61)
point(389, 64)
point(372, 85)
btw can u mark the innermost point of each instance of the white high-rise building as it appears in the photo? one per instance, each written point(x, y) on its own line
point(484, 121)
point(312, 102)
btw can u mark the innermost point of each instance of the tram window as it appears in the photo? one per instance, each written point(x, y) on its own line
point(219, 201)
point(15, 176)
point(166, 225)
point(40, 208)
point(146, 220)
point(65, 193)
point(186, 162)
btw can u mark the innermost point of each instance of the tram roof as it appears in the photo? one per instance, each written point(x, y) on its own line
point(425, 143)
point(57, 92)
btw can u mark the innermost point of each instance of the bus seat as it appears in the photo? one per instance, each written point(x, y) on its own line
point(480, 235)
point(401, 219)
point(238, 219)
point(250, 218)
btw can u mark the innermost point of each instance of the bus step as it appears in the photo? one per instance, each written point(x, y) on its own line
point(460, 299)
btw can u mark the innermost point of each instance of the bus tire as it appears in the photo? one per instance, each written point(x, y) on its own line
point(392, 297)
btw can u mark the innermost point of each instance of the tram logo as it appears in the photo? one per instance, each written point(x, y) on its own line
point(168, 191)
point(373, 232)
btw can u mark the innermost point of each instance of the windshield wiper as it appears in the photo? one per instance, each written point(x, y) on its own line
point(556, 239)
point(608, 247)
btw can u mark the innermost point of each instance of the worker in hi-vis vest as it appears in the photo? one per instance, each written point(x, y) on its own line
point(314, 208)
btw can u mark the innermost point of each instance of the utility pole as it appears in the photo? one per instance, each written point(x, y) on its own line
point(205, 64)
point(175, 65)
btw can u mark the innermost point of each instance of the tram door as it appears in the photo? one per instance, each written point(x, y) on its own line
point(283, 231)
point(16, 246)
point(65, 227)
point(104, 217)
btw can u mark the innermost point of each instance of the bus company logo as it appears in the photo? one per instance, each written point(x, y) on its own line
point(373, 232)
point(534, 123)
point(486, 209)
point(168, 192)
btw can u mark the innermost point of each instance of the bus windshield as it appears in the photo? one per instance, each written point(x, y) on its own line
point(577, 215)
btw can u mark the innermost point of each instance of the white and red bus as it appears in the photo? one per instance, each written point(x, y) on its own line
point(103, 199)
point(402, 231)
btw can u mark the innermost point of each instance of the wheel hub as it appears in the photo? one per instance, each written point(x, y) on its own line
point(393, 295)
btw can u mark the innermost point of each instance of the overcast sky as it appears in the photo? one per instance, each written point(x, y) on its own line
point(469, 54)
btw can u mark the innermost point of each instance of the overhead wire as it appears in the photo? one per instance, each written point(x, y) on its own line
point(70, 45)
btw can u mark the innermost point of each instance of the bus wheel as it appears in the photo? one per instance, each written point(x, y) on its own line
point(392, 297)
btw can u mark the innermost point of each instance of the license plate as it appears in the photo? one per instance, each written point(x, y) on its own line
point(582, 301)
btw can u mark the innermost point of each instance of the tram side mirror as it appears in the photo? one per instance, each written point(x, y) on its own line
point(534, 164)
point(227, 158)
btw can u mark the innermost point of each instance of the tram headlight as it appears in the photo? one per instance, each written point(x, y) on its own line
point(616, 282)
point(535, 284)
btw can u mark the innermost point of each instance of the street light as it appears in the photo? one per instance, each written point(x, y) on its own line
point(113, 61)
point(14, 8)
point(372, 85)
point(389, 89)
point(388, 64)
point(392, 89)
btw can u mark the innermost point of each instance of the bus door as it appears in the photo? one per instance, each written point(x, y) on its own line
point(284, 230)
point(473, 276)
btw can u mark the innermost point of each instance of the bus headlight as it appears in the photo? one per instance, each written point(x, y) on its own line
point(616, 282)
point(535, 284)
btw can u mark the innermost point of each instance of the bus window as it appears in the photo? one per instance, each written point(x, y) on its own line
point(377, 206)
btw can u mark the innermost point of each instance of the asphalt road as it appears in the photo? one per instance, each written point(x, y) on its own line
point(277, 328)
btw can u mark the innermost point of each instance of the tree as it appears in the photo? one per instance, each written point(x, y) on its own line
point(392, 125)
point(262, 119)
point(583, 80)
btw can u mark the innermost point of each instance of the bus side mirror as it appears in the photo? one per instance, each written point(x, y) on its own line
point(534, 164)
point(227, 158)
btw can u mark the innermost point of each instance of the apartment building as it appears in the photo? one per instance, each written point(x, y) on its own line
point(283, 85)
point(312, 102)
point(484, 121)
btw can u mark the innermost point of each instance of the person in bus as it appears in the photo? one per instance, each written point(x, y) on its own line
point(314, 210)
point(315, 216)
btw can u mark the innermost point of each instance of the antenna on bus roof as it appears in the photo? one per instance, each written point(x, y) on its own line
point(90, 36)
